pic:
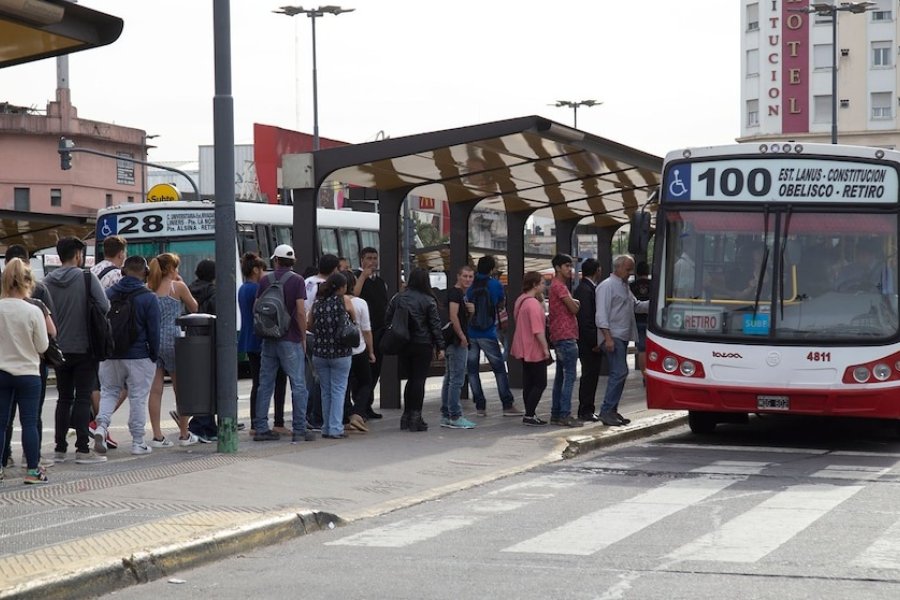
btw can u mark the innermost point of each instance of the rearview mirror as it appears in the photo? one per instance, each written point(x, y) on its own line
point(639, 236)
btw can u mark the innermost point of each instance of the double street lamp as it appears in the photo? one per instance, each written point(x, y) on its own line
point(313, 13)
point(826, 9)
point(574, 106)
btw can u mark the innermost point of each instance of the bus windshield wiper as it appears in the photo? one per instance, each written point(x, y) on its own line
point(765, 261)
point(781, 250)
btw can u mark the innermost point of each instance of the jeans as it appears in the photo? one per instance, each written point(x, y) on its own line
point(454, 377)
point(137, 376)
point(75, 380)
point(564, 382)
point(23, 391)
point(414, 362)
point(591, 363)
point(333, 374)
point(534, 382)
point(618, 372)
point(290, 357)
point(7, 449)
point(280, 388)
point(491, 349)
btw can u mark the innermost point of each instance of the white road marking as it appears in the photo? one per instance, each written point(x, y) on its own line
point(764, 528)
point(595, 531)
point(733, 467)
point(856, 472)
point(405, 533)
point(754, 449)
point(884, 553)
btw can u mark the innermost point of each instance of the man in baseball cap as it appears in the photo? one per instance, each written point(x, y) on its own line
point(284, 251)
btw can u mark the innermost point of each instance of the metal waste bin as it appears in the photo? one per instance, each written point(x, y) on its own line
point(195, 365)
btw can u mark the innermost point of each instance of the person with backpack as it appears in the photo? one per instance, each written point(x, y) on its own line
point(457, 351)
point(174, 298)
point(135, 318)
point(486, 293)
point(203, 288)
point(75, 379)
point(328, 264)
point(279, 318)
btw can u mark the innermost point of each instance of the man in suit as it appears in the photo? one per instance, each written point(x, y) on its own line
point(589, 353)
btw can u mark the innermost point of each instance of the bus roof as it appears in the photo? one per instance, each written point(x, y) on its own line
point(794, 149)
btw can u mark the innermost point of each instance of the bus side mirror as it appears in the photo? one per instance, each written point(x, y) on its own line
point(639, 235)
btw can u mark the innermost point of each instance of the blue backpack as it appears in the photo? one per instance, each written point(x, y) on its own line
point(485, 310)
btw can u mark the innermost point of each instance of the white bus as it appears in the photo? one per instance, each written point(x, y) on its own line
point(187, 229)
point(775, 273)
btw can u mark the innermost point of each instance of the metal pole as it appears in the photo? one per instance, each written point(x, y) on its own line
point(312, 16)
point(226, 266)
point(407, 239)
point(575, 115)
point(834, 53)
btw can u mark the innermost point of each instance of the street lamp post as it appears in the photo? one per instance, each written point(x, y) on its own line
point(574, 106)
point(313, 13)
point(826, 9)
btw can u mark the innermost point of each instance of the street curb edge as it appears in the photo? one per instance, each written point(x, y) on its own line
point(578, 445)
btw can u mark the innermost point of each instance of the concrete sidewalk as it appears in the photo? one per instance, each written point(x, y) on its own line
point(96, 528)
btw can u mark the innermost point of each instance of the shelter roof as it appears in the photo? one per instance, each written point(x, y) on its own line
point(522, 164)
point(39, 230)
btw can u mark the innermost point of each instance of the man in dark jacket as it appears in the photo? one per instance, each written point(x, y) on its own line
point(203, 289)
point(589, 352)
point(136, 368)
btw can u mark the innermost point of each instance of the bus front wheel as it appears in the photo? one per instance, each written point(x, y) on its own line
point(702, 422)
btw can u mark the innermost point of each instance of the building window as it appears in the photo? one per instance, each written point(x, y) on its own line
point(881, 105)
point(131, 199)
point(752, 113)
point(823, 55)
point(22, 199)
point(753, 17)
point(822, 109)
point(753, 63)
point(55, 197)
point(108, 200)
point(881, 54)
point(882, 15)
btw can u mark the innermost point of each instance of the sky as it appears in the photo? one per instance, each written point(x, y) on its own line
point(667, 73)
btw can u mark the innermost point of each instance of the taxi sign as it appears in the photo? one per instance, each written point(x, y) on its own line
point(163, 192)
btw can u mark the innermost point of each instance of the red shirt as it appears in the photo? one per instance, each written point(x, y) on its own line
point(563, 324)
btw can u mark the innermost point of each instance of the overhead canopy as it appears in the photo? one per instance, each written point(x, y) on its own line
point(35, 29)
point(523, 164)
point(37, 230)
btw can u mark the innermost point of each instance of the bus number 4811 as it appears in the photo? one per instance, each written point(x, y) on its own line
point(819, 357)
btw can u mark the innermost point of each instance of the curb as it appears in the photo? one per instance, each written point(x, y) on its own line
point(578, 445)
point(141, 567)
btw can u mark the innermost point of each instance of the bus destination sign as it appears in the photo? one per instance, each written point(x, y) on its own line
point(158, 223)
point(781, 179)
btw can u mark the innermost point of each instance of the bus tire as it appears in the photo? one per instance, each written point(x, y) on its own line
point(702, 422)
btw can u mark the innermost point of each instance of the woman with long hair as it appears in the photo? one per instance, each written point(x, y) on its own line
point(23, 337)
point(331, 359)
point(424, 339)
point(174, 298)
point(530, 344)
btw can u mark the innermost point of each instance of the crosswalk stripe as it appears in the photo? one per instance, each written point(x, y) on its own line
point(884, 553)
point(855, 472)
point(595, 531)
point(404, 533)
point(761, 530)
point(733, 467)
point(754, 449)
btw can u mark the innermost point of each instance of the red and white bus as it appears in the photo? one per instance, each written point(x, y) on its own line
point(776, 273)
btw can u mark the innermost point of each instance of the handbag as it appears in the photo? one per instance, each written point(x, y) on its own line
point(348, 334)
point(53, 355)
point(396, 334)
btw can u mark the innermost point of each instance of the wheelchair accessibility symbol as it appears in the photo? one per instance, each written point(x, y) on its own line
point(107, 228)
point(678, 183)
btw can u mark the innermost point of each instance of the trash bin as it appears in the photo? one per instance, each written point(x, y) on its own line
point(195, 364)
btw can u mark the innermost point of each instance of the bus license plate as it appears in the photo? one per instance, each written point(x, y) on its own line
point(773, 402)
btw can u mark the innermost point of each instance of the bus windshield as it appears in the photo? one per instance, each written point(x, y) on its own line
point(758, 274)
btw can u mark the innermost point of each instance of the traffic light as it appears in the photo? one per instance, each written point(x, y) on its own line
point(65, 157)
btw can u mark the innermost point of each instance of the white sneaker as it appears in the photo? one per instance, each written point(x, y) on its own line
point(163, 443)
point(141, 449)
point(190, 441)
point(100, 440)
point(89, 458)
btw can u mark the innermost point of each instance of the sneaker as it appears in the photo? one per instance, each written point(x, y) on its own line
point(207, 439)
point(307, 436)
point(141, 449)
point(555, 420)
point(314, 426)
point(59, 457)
point(569, 421)
point(160, 443)
point(358, 423)
point(89, 458)
point(622, 419)
point(461, 423)
point(241, 426)
point(99, 436)
point(190, 440)
point(533, 421)
point(266, 436)
point(36, 476)
point(92, 427)
point(513, 411)
point(481, 412)
point(445, 421)
point(111, 443)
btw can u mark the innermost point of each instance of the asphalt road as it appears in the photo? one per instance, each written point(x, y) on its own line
point(782, 508)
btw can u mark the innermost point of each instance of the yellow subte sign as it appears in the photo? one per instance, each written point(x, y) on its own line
point(163, 192)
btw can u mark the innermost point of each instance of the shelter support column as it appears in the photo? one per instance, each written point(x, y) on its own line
point(515, 273)
point(565, 231)
point(306, 231)
point(459, 236)
point(605, 237)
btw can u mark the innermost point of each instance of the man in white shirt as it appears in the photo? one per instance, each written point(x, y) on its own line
point(109, 270)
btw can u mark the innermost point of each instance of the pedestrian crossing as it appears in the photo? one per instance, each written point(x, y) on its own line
point(731, 505)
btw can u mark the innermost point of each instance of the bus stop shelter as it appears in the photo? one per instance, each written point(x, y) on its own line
point(522, 167)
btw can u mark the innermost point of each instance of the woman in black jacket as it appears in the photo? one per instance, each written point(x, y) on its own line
point(424, 337)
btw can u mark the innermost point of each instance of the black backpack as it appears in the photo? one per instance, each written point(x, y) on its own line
point(271, 317)
point(100, 338)
point(122, 321)
point(485, 310)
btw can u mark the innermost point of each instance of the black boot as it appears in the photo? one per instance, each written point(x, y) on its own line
point(404, 421)
point(416, 423)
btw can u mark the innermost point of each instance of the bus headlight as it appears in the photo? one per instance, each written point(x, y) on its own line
point(881, 372)
point(861, 374)
point(669, 364)
point(688, 368)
